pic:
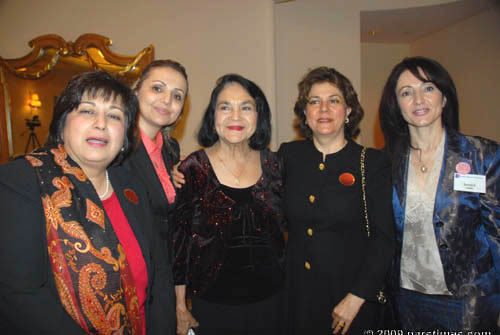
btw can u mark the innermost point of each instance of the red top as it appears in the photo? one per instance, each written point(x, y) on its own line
point(154, 152)
point(132, 250)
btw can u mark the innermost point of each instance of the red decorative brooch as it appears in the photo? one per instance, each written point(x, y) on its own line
point(131, 196)
point(347, 179)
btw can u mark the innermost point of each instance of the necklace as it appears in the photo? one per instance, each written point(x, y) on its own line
point(431, 157)
point(423, 168)
point(430, 161)
point(107, 187)
point(236, 176)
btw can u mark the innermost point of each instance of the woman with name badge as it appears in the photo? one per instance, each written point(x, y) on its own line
point(446, 274)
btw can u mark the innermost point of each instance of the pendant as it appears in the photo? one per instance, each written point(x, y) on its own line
point(423, 169)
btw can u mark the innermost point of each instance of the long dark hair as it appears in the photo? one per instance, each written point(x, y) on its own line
point(394, 127)
point(207, 135)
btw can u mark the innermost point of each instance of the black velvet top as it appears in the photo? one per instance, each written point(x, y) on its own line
point(228, 243)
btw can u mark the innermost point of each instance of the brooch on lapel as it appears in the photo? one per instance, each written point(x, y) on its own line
point(131, 196)
point(347, 179)
point(463, 168)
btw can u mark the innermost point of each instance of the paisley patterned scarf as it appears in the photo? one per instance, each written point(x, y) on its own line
point(92, 275)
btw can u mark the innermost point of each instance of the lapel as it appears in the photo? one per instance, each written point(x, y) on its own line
point(400, 180)
point(399, 192)
point(144, 167)
point(457, 149)
point(130, 203)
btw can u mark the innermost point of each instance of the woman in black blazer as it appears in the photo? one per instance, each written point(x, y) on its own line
point(161, 91)
point(78, 249)
point(338, 254)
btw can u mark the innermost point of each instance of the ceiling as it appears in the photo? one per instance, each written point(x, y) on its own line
point(410, 24)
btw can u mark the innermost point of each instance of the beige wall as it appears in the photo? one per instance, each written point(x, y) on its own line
point(309, 34)
point(210, 38)
point(470, 51)
point(377, 61)
point(274, 45)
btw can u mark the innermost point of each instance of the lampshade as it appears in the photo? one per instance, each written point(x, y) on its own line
point(35, 101)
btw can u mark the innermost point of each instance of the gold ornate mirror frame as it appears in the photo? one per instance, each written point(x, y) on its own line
point(29, 85)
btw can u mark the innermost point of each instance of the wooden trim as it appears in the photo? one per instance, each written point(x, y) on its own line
point(30, 67)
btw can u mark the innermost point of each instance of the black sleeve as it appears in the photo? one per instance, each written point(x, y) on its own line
point(381, 219)
point(181, 221)
point(282, 155)
point(162, 303)
point(29, 302)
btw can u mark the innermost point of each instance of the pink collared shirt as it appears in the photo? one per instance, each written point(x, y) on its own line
point(153, 149)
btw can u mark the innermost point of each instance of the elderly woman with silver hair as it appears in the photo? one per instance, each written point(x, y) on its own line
point(78, 246)
point(446, 274)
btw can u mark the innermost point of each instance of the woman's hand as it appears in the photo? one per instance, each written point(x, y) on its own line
point(185, 320)
point(344, 313)
point(177, 176)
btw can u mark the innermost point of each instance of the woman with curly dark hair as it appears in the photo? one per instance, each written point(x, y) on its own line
point(337, 257)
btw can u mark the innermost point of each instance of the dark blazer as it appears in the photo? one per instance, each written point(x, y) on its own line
point(141, 166)
point(466, 224)
point(29, 301)
point(329, 252)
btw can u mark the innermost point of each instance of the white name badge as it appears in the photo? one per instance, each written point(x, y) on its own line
point(469, 183)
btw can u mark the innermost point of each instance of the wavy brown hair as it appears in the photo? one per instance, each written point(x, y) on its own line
point(325, 74)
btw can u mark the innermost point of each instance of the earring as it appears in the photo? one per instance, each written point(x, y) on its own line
point(122, 149)
point(346, 120)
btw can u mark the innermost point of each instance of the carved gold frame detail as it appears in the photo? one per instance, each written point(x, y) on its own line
point(53, 58)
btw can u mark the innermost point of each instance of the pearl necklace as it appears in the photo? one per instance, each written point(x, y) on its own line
point(107, 187)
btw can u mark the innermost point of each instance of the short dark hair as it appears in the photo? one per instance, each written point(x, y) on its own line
point(325, 74)
point(94, 84)
point(207, 135)
point(393, 125)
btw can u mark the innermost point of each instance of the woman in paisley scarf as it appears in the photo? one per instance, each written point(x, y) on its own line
point(446, 274)
point(78, 250)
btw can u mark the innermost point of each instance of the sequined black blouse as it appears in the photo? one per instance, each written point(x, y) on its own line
point(204, 228)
